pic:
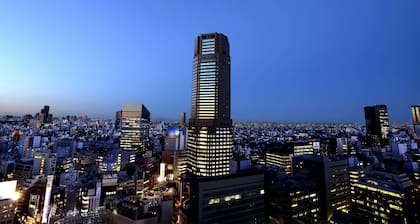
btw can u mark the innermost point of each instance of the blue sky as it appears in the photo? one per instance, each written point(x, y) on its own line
point(292, 61)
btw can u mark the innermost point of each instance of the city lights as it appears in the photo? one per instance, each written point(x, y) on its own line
point(210, 112)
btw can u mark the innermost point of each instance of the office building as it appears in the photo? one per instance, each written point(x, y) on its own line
point(415, 115)
point(210, 135)
point(342, 146)
point(65, 148)
point(44, 163)
point(109, 186)
point(280, 159)
point(135, 125)
point(90, 198)
point(23, 170)
point(45, 116)
point(333, 175)
point(303, 149)
point(36, 196)
point(355, 173)
point(214, 195)
point(377, 123)
point(232, 199)
point(24, 146)
point(381, 197)
point(399, 151)
point(281, 156)
point(8, 197)
point(293, 199)
point(328, 146)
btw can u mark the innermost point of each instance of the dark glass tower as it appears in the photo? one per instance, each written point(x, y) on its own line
point(45, 115)
point(377, 122)
point(210, 139)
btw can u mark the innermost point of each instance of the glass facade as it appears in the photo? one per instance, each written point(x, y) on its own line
point(209, 151)
point(377, 122)
point(135, 123)
point(415, 114)
point(210, 135)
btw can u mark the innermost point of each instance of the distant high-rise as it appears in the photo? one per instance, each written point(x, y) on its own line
point(377, 122)
point(415, 114)
point(118, 116)
point(183, 120)
point(210, 137)
point(135, 120)
point(135, 123)
point(45, 117)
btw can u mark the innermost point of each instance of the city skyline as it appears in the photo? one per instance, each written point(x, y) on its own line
point(210, 113)
point(308, 62)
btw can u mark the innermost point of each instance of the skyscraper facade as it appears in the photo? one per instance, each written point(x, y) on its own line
point(210, 137)
point(415, 114)
point(377, 122)
point(333, 176)
point(135, 124)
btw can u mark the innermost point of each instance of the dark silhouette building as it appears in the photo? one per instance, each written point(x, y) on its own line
point(293, 199)
point(377, 123)
point(118, 117)
point(332, 174)
point(237, 198)
point(183, 120)
point(45, 115)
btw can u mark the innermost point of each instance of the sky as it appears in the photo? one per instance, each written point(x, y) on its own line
point(292, 60)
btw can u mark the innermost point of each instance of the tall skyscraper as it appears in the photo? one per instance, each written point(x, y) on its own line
point(210, 137)
point(377, 122)
point(135, 124)
point(415, 114)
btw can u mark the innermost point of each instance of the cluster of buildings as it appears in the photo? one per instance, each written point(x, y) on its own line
point(82, 170)
point(207, 170)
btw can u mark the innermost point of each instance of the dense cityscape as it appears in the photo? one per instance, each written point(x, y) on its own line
point(207, 169)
